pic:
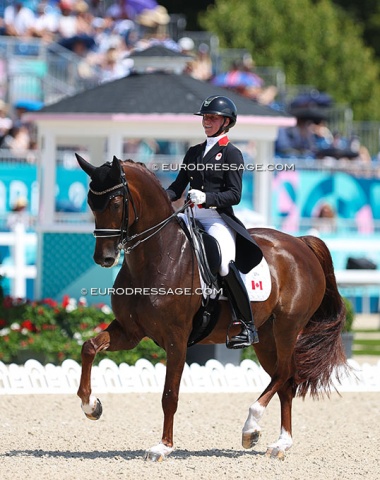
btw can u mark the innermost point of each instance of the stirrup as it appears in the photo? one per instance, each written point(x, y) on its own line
point(247, 336)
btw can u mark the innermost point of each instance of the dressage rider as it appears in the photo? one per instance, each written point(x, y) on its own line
point(214, 170)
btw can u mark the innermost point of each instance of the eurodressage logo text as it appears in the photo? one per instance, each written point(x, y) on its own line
point(149, 291)
point(222, 167)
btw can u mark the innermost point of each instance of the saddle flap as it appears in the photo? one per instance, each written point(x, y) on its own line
point(212, 250)
point(209, 246)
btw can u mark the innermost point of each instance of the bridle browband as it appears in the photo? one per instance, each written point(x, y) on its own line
point(122, 189)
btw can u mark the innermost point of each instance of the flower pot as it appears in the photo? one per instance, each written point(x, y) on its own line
point(348, 340)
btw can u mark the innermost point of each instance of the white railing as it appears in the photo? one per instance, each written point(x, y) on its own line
point(213, 377)
point(18, 271)
point(355, 279)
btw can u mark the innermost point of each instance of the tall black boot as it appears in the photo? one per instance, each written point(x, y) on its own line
point(238, 296)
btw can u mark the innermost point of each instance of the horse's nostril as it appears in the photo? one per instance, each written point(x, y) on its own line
point(108, 261)
point(104, 261)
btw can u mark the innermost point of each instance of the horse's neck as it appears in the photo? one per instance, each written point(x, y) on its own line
point(160, 253)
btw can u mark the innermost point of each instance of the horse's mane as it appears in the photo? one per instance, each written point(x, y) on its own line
point(145, 170)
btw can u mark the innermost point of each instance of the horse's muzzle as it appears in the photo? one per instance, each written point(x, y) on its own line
point(106, 259)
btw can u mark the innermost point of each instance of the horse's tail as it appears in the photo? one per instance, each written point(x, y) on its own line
point(319, 348)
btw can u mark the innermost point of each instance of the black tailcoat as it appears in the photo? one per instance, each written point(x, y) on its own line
point(219, 174)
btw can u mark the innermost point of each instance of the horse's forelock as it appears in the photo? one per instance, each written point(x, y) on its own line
point(103, 178)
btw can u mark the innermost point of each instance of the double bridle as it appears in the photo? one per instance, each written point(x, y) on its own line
point(122, 189)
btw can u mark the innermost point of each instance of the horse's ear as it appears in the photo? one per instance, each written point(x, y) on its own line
point(85, 166)
point(116, 168)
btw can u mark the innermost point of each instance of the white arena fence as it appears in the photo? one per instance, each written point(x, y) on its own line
point(213, 377)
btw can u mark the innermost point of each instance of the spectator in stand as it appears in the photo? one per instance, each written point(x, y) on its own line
point(322, 134)
point(83, 19)
point(298, 141)
point(325, 220)
point(46, 22)
point(130, 9)
point(75, 29)
point(67, 26)
point(18, 20)
point(97, 8)
point(200, 67)
point(113, 67)
point(18, 141)
point(362, 151)
point(19, 214)
point(5, 122)
point(153, 29)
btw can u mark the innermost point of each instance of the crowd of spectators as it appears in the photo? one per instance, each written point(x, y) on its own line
point(312, 139)
point(16, 136)
point(103, 33)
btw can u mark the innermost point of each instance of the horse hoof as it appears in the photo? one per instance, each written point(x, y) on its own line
point(153, 456)
point(275, 453)
point(97, 412)
point(158, 453)
point(250, 439)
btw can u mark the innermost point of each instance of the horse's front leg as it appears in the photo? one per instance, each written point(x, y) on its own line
point(176, 357)
point(112, 338)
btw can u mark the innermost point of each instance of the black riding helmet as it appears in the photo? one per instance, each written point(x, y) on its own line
point(219, 105)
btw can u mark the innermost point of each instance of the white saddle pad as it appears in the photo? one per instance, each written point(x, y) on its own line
point(257, 282)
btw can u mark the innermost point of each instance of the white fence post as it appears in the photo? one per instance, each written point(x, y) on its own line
point(18, 254)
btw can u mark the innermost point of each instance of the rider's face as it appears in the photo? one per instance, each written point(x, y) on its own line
point(212, 123)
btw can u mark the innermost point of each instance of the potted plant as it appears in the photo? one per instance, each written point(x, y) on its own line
point(347, 333)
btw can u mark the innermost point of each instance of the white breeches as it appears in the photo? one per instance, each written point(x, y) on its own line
point(215, 226)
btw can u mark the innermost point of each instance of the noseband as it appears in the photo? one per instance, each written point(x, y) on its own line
point(122, 189)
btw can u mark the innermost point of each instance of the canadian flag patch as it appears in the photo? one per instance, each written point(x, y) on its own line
point(257, 285)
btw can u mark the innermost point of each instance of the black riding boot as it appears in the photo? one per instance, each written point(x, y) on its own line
point(239, 300)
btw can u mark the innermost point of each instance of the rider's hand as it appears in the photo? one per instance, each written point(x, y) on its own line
point(197, 197)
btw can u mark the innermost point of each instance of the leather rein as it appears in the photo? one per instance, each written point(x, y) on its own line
point(122, 189)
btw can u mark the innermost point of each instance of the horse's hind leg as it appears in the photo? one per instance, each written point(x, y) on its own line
point(285, 440)
point(252, 430)
point(280, 366)
point(113, 338)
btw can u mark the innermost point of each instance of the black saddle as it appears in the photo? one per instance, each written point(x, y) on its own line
point(209, 257)
point(207, 251)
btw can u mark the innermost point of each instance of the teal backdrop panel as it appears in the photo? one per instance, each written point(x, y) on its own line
point(67, 265)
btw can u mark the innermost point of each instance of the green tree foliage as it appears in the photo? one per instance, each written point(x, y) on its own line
point(367, 13)
point(315, 43)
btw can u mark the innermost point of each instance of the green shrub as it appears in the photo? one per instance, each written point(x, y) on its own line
point(53, 332)
point(350, 315)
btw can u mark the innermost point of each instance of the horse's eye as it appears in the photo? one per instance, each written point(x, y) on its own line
point(116, 205)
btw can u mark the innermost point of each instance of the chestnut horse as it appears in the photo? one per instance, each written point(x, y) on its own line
point(299, 324)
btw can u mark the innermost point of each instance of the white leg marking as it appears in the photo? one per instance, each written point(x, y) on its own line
point(256, 411)
point(161, 449)
point(283, 443)
point(90, 407)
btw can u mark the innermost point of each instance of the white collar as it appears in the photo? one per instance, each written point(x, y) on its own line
point(211, 141)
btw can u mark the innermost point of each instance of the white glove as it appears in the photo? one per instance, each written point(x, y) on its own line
point(197, 197)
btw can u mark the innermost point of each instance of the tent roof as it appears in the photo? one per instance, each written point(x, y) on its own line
point(152, 93)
